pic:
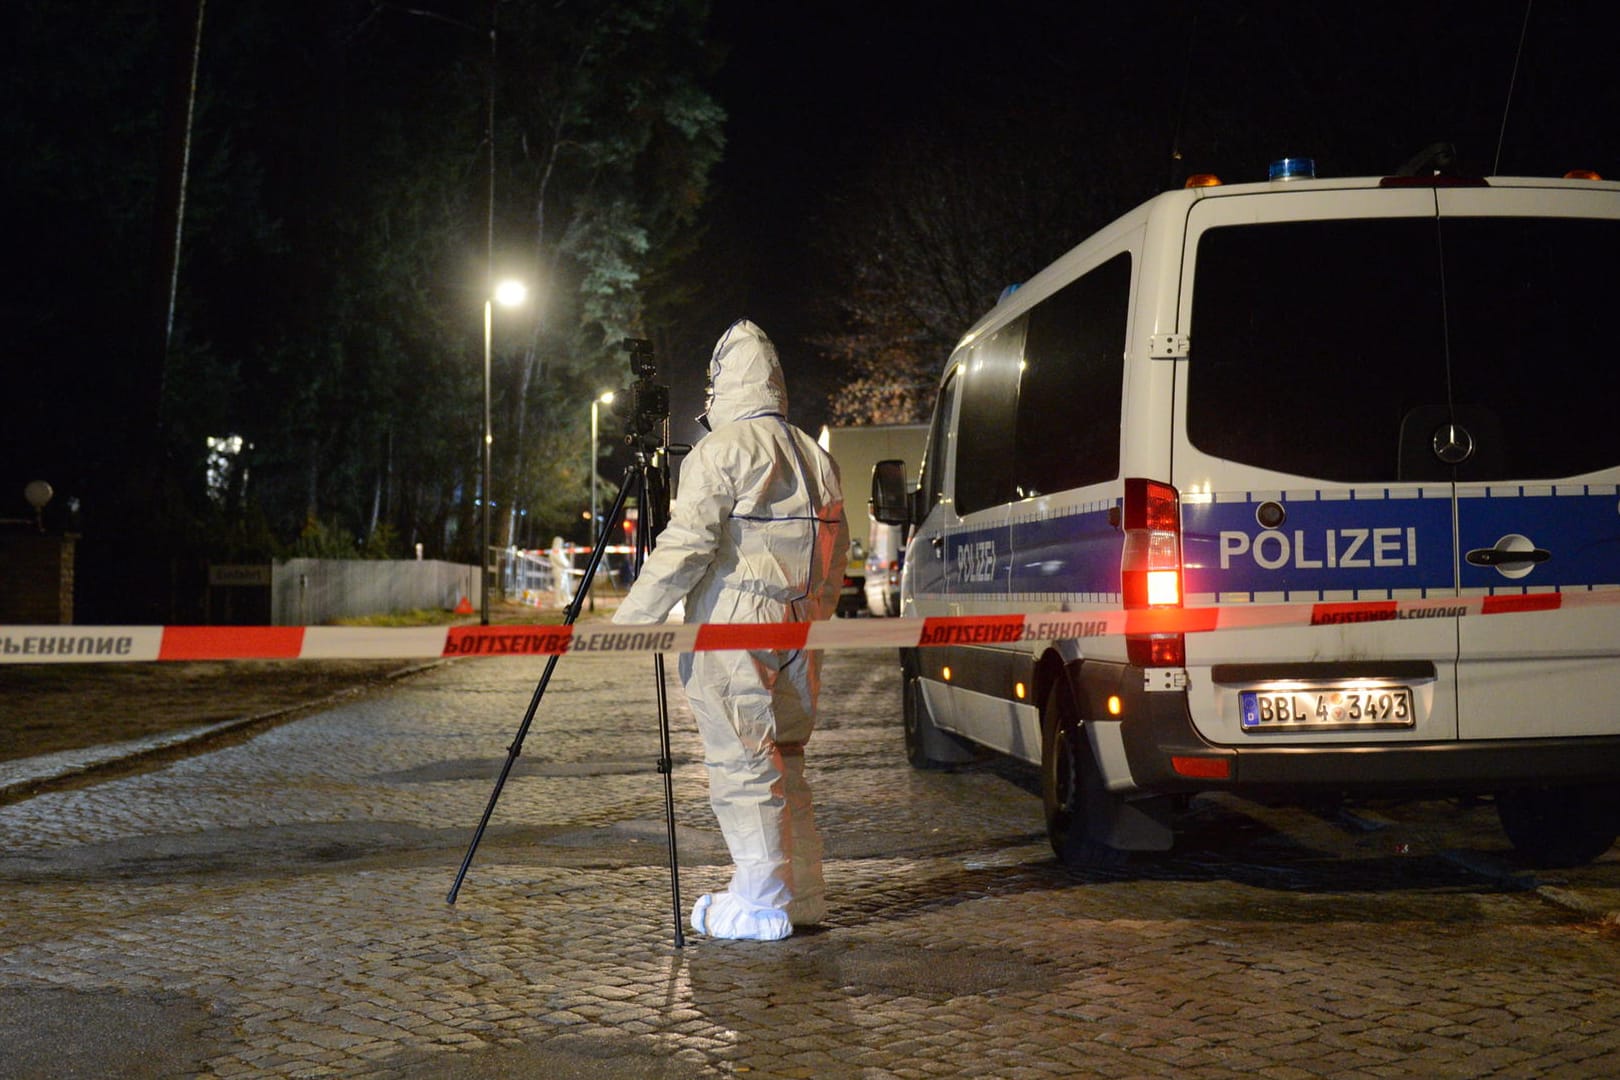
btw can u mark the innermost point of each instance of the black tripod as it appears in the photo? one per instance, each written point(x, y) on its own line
point(648, 477)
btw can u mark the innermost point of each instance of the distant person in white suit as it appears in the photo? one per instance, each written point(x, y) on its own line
point(562, 566)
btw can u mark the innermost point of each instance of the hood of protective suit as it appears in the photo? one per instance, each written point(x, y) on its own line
point(745, 377)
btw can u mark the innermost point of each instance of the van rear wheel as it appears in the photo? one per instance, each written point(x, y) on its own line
point(1560, 827)
point(1068, 778)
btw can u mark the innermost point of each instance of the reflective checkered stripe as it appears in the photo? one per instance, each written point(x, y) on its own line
point(1394, 543)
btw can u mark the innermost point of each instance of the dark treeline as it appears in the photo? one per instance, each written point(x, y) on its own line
point(319, 388)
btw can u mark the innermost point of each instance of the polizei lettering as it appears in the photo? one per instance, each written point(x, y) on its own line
point(623, 641)
point(1326, 549)
point(976, 561)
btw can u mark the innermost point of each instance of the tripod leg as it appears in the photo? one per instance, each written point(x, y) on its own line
point(654, 503)
point(540, 688)
point(666, 765)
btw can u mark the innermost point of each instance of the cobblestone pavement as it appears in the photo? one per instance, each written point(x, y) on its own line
point(277, 908)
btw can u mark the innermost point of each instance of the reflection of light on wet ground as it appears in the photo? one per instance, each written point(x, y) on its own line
point(1010, 857)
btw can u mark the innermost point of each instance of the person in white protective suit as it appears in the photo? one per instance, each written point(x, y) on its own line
point(562, 563)
point(756, 534)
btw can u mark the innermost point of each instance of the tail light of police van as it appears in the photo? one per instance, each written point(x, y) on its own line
point(1150, 567)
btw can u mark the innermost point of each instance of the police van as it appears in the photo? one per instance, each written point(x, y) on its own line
point(1296, 391)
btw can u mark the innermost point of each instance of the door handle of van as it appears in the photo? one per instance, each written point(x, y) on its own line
point(937, 541)
point(1502, 556)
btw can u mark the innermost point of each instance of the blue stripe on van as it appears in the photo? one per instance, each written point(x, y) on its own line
point(1578, 529)
point(1074, 554)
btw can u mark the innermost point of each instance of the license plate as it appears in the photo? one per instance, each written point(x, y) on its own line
point(1327, 707)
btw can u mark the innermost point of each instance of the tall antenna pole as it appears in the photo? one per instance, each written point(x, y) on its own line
point(489, 304)
point(1501, 135)
point(489, 137)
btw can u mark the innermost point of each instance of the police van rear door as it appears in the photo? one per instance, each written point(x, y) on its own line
point(1531, 278)
point(1315, 374)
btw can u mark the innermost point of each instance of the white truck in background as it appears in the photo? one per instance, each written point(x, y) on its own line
point(872, 580)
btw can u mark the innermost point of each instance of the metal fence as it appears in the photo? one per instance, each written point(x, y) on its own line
point(309, 592)
point(526, 577)
point(529, 577)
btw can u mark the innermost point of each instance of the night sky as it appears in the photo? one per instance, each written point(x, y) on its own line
point(817, 91)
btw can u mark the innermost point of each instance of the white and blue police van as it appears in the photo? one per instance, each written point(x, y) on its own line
point(1297, 391)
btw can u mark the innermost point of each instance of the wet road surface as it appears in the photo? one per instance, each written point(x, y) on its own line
point(277, 908)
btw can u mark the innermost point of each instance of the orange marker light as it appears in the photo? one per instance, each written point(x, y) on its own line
point(1202, 179)
point(1115, 706)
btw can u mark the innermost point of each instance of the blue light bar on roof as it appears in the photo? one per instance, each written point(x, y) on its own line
point(1294, 168)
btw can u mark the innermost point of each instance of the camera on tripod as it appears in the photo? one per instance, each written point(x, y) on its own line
point(645, 411)
point(644, 407)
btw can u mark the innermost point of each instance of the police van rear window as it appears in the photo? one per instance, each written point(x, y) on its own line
point(1334, 349)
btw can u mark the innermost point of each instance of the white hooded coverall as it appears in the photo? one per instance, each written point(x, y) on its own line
point(756, 534)
point(562, 564)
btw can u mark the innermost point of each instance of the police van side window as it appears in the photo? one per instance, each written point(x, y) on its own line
point(931, 479)
point(984, 449)
point(1069, 399)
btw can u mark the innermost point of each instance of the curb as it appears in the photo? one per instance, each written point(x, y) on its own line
point(18, 778)
point(1566, 899)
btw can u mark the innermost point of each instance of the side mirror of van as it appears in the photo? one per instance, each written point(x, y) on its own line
point(889, 504)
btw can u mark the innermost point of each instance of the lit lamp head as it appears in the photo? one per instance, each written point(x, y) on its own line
point(38, 493)
point(511, 293)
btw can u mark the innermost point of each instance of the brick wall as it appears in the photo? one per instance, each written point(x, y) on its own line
point(36, 578)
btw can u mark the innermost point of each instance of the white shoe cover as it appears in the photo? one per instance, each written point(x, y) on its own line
point(722, 915)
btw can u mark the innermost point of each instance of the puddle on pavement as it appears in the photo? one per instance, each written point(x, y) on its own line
point(285, 850)
point(876, 967)
point(578, 1057)
point(48, 1033)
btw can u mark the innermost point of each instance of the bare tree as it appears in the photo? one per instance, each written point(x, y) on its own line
point(938, 229)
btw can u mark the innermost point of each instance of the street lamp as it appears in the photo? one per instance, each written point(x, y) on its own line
point(38, 492)
point(507, 294)
point(605, 398)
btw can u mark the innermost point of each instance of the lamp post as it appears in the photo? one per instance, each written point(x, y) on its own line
point(507, 294)
point(605, 398)
point(38, 492)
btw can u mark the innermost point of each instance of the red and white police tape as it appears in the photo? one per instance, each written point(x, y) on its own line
point(92, 644)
